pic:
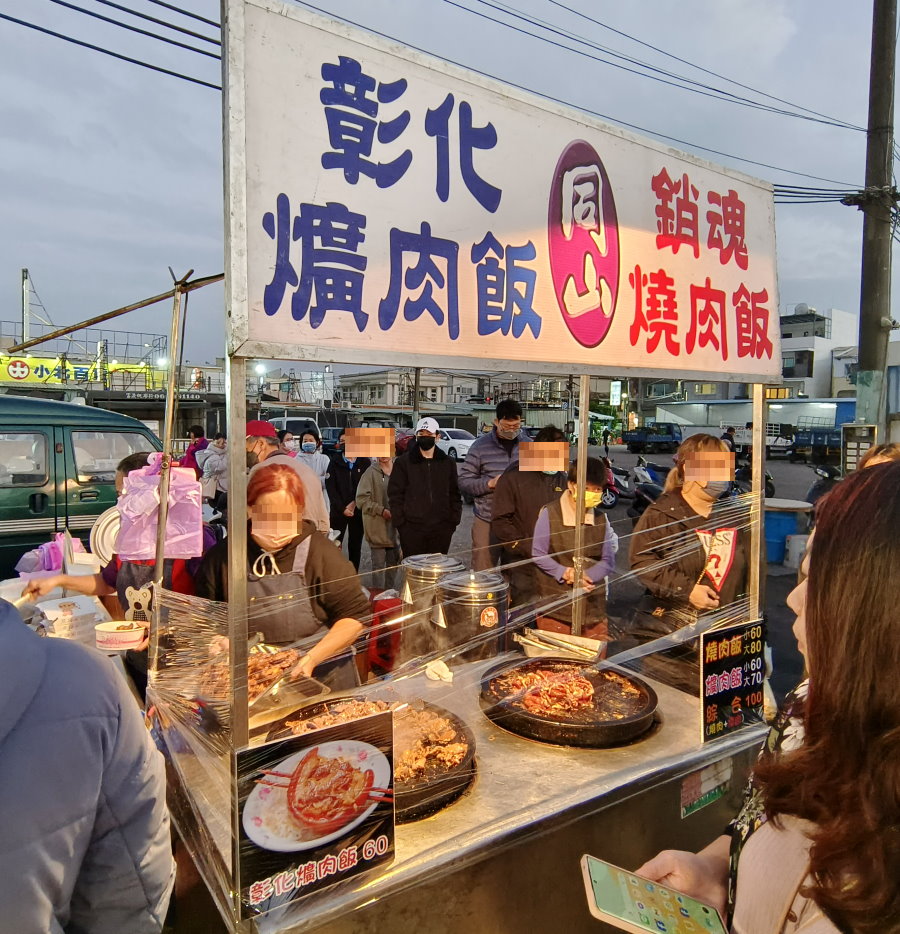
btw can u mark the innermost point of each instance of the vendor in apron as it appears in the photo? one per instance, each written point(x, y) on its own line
point(553, 549)
point(301, 590)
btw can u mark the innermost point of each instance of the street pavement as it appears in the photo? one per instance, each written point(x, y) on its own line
point(791, 482)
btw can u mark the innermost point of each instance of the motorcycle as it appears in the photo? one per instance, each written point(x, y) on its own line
point(644, 495)
point(743, 479)
point(827, 478)
point(648, 472)
point(618, 485)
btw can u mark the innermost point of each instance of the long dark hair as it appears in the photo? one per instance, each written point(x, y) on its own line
point(845, 779)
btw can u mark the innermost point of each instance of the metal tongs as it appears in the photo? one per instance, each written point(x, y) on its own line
point(543, 640)
point(306, 686)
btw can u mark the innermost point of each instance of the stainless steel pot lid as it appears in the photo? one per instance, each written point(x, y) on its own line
point(485, 584)
point(431, 567)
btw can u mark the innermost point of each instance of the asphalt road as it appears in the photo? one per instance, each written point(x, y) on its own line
point(791, 482)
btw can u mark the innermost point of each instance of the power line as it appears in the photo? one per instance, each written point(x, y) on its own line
point(159, 22)
point(118, 55)
point(695, 87)
point(177, 9)
point(142, 32)
point(587, 110)
point(685, 61)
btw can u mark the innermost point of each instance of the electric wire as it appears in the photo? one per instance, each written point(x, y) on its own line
point(684, 61)
point(136, 29)
point(697, 88)
point(159, 22)
point(105, 51)
point(178, 9)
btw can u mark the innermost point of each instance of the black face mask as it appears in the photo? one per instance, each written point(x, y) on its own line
point(425, 443)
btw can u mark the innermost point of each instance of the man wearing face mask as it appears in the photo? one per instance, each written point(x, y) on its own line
point(423, 494)
point(518, 499)
point(553, 548)
point(263, 447)
point(691, 561)
point(343, 479)
point(488, 457)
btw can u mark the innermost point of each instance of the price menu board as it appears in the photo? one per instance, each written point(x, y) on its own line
point(732, 672)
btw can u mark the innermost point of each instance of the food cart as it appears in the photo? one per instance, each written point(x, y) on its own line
point(385, 206)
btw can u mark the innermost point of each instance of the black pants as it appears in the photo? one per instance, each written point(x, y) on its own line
point(354, 524)
point(424, 540)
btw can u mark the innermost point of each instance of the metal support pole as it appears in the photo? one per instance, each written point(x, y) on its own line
point(415, 404)
point(584, 421)
point(877, 205)
point(236, 402)
point(26, 307)
point(168, 434)
point(757, 580)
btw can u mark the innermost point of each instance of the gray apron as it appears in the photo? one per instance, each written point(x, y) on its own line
point(280, 607)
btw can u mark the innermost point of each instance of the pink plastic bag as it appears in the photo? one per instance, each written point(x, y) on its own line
point(47, 557)
point(139, 509)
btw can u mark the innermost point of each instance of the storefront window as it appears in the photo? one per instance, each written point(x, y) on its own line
point(98, 453)
point(23, 459)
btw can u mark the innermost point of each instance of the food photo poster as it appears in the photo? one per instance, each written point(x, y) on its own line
point(314, 810)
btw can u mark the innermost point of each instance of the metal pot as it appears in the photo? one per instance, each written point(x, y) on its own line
point(421, 575)
point(474, 608)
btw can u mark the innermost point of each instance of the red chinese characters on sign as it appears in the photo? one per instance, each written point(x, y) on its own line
point(752, 323)
point(677, 213)
point(708, 322)
point(658, 316)
point(726, 227)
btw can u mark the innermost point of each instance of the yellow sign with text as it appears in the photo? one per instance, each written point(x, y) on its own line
point(54, 371)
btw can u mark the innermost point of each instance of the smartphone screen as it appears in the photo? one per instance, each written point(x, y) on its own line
point(646, 906)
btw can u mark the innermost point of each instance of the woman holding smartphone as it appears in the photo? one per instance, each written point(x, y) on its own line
point(816, 847)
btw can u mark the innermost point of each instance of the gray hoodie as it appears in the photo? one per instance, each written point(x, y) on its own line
point(84, 830)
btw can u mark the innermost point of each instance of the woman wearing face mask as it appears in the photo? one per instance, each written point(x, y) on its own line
point(691, 553)
point(310, 453)
point(553, 550)
point(288, 557)
point(815, 847)
point(287, 444)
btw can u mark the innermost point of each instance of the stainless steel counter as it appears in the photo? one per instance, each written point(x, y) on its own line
point(522, 787)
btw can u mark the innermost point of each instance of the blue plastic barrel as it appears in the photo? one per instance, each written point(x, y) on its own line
point(778, 526)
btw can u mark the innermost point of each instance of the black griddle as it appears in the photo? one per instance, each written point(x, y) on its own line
point(438, 787)
point(593, 726)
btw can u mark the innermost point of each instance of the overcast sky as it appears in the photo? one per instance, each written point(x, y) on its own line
point(109, 173)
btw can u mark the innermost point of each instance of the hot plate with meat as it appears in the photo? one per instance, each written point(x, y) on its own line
point(427, 742)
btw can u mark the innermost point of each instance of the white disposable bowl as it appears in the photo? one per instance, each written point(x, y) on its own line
point(111, 639)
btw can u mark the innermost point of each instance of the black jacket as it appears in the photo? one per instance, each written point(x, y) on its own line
point(668, 557)
point(343, 480)
point(518, 499)
point(423, 491)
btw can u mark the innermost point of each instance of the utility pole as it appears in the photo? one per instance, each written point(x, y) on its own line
point(415, 406)
point(26, 307)
point(877, 204)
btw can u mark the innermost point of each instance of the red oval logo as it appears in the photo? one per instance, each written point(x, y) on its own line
point(583, 233)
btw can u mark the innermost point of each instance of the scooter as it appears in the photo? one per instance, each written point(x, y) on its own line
point(743, 479)
point(644, 495)
point(827, 478)
point(648, 472)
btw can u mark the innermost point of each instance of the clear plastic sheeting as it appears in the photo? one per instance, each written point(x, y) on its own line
point(502, 719)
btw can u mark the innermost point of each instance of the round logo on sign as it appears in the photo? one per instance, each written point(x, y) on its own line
point(18, 369)
point(583, 234)
point(489, 617)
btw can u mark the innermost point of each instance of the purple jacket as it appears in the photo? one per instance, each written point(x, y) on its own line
point(487, 458)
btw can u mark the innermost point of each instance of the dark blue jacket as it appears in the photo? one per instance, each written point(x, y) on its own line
point(487, 458)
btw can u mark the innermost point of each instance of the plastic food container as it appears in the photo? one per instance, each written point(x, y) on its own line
point(111, 637)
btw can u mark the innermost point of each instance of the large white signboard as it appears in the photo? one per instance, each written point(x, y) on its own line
point(388, 208)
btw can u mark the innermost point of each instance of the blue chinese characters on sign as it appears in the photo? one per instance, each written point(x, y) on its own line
point(351, 112)
point(422, 277)
point(470, 138)
point(505, 293)
point(331, 268)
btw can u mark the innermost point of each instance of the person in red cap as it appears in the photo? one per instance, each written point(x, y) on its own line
point(264, 449)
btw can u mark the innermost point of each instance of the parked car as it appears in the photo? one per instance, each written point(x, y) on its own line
point(57, 469)
point(402, 439)
point(455, 442)
point(330, 437)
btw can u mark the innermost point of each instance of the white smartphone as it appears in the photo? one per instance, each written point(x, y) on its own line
point(635, 904)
